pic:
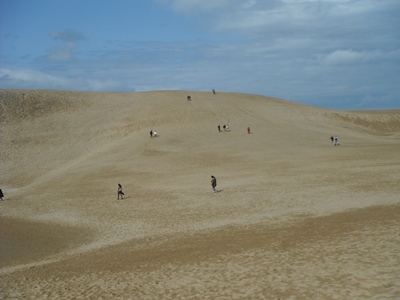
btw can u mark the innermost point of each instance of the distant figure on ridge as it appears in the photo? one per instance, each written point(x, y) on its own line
point(213, 91)
point(120, 192)
point(189, 98)
point(214, 183)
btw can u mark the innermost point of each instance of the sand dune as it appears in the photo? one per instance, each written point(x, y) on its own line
point(295, 218)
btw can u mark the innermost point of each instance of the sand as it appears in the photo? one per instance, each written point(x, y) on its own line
point(294, 218)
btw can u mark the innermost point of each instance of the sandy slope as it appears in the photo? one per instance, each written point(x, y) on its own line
point(294, 219)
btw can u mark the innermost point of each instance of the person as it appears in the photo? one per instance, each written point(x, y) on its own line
point(213, 91)
point(214, 183)
point(189, 98)
point(151, 133)
point(332, 140)
point(1, 195)
point(336, 140)
point(219, 128)
point(120, 192)
point(248, 129)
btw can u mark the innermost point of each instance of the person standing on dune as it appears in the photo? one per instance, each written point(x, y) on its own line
point(120, 192)
point(214, 183)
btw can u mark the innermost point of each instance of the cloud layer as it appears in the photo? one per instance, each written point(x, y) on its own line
point(331, 53)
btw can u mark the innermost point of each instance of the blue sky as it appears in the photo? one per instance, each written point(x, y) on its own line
point(342, 54)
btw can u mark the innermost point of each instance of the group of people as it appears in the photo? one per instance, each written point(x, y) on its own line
point(189, 98)
point(121, 193)
point(334, 140)
point(153, 133)
point(224, 128)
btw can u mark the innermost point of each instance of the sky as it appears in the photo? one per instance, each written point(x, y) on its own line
point(339, 54)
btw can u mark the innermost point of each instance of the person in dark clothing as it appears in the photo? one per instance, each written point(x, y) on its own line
point(120, 192)
point(214, 183)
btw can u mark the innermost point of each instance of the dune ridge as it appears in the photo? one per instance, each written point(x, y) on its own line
point(63, 153)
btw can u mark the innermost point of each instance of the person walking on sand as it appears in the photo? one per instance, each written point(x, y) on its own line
point(219, 128)
point(214, 183)
point(248, 130)
point(120, 192)
point(1, 195)
point(331, 140)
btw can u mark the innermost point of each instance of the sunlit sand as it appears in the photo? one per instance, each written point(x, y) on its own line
point(294, 218)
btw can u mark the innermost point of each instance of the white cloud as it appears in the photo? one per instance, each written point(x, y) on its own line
point(29, 78)
point(196, 6)
point(246, 16)
point(351, 56)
